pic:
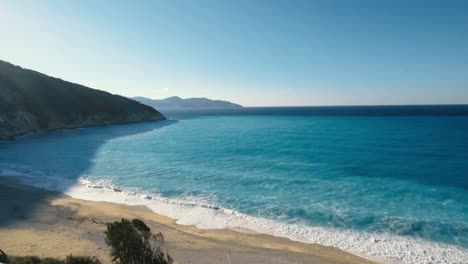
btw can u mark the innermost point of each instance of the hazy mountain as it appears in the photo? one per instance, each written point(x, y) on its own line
point(31, 101)
point(175, 103)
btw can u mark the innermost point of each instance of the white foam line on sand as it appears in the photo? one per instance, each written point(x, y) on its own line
point(381, 247)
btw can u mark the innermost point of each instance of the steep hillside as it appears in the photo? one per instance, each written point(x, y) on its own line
point(31, 101)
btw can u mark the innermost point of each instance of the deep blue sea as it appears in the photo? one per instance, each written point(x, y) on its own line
point(388, 183)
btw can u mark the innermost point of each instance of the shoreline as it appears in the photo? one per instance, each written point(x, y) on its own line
point(52, 130)
point(374, 247)
point(76, 226)
point(379, 247)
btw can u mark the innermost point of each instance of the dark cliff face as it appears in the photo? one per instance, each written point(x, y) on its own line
point(31, 102)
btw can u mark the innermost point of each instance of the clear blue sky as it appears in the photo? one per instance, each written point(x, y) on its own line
point(251, 52)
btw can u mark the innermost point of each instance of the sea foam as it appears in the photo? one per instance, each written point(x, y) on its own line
point(390, 188)
point(382, 247)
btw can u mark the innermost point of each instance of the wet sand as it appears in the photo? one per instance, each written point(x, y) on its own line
point(58, 225)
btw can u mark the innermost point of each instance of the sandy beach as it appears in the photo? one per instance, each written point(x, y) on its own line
point(58, 225)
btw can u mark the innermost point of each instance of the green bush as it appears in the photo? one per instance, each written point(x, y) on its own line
point(68, 260)
point(3, 257)
point(132, 242)
point(81, 260)
point(35, 260)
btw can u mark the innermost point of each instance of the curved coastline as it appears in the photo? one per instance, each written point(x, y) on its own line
point(383, 248)
point(26, 134)
point(193, 211)
point(63, 225)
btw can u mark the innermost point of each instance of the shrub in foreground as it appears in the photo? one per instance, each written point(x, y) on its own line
point(132, 242)
point(81, 260)
point(3, 257)
point(68, 260)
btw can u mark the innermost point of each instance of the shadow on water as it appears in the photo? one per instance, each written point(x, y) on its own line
point(54, 160)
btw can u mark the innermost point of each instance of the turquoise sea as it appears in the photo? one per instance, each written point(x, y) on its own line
point(388, 184)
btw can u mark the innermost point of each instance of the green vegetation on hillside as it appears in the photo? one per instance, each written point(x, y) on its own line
point(31, 101)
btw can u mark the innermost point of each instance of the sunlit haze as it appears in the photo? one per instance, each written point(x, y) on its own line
point(255, 53)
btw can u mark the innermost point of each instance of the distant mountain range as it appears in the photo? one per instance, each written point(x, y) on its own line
point(31, 102)
point(177, 103)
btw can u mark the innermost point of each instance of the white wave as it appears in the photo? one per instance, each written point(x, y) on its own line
point(381, 247)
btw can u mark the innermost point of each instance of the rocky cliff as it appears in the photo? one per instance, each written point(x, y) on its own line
point(32, 102)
